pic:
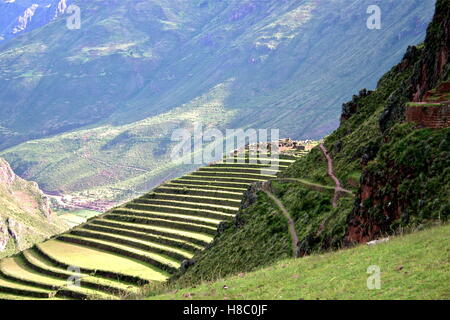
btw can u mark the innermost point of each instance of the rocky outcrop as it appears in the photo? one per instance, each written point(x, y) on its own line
point(4, 235)
point(429, 64)
point(432, 66)
point(364, 226)
point(18, 17)
point(350, 108)
point(10, 229)
point(250, 195)
point(395, 108)
point(60, 8)
point(25, 19)
point(43, 201)
point(15, 230)
point(25, 213)
point(7, 176)
point(396, 186)
point(433, 111)
point(14, 185)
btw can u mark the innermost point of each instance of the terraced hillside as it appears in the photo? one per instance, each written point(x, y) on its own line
point(145, 240)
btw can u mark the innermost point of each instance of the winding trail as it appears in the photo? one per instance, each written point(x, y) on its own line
point(338, 190)
point(291, 223)
point(312, 185)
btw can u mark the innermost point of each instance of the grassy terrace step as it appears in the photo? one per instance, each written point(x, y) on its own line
point(203, 213)
point(199, 192)
point(177, 217)
point(144, 236)
point(14, 269)
point(234, 175)
point(72, 220)
point(98, 262)
point(156, 262)
point(229, 186)
point(256, 160)
point(243, 181)
point(214, 204)
point(40, 258)
point(37, 262)
point(244, 165)
point(264, 155)
point(208, 200)
point(9, 297)
point(244, 170)
point(198, 239)
point(269, 155)
point(163, 223)
point(145, 240)
point(185, 205)
point(17, 289)
point(168, 252)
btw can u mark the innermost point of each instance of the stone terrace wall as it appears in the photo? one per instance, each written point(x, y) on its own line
point(429, 116)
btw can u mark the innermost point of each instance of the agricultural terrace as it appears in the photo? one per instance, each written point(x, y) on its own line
point(145, 240)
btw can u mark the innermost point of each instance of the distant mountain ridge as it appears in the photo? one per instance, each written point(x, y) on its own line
point(20, 16)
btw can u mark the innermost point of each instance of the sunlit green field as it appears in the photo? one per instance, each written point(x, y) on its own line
point(415, 266)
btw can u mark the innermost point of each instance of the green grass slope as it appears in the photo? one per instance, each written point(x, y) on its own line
point(414, 266)
point(259, 236)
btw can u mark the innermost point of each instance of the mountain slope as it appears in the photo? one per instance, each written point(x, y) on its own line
point(134, 63)
point(397, 173)
point(73, 78)
point(25, 214)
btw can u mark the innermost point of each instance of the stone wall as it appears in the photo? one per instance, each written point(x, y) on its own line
point(429, 116)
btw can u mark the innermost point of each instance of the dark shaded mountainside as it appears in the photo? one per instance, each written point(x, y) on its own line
point(398, 172)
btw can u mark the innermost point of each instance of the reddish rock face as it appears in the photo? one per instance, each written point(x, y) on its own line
point(433, 111)
point(361, 231)
point(431, 108)
point(429, 116)
point(362, 227)
point(433, 65)
point(438, 95)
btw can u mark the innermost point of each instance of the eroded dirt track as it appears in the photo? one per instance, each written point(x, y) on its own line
point(338, 190)
point(291, 223)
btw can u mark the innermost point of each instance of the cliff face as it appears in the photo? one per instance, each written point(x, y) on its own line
point(429, 66)
point(434, 63)
point(406, 181)
point(25, 214)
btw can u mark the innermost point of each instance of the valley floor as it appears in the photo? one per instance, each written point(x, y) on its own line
point(414, 266)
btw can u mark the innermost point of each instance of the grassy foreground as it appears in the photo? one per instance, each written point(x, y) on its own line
point(414, 266)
